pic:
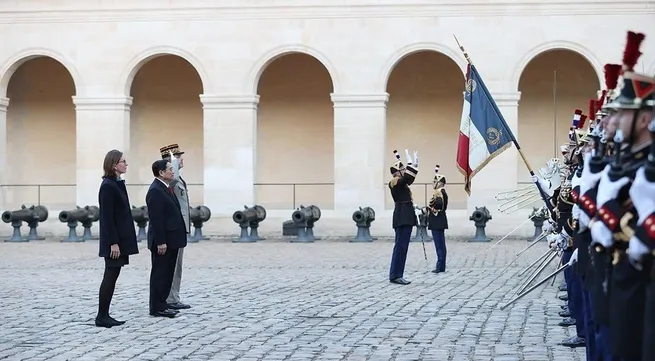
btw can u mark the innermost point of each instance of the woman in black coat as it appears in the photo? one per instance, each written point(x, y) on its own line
point(117, 234)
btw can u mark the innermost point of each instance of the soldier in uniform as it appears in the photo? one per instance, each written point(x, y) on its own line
point(437, 219)
point(173, 153)
point(593, 259)
point(404, 218)
point(617, 216)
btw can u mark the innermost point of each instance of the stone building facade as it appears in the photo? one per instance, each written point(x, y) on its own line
point(288, 102)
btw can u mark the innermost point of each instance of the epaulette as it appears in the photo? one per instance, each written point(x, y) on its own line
point(393, 182)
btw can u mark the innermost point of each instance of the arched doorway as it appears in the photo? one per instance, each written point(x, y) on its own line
point(41, 136)
point(166, 109)
point(424, 110)
point(295, 134)
point(552, 86)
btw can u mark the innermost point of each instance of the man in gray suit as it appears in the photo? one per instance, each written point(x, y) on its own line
point(172, 152)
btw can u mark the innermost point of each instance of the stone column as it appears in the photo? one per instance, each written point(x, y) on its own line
point(501, 173)
point(4, 103)
point(359, 158)
point(103, 124)
point(230, 140)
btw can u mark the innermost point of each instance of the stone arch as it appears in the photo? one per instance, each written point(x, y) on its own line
point(408, 50)
point(129, 72)
point(18, 59)
point(252, 82)
point(587, 54)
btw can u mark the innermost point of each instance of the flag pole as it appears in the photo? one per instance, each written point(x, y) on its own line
point(514, 140)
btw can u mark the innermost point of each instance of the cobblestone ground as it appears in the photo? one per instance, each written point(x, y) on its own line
point(275, 300)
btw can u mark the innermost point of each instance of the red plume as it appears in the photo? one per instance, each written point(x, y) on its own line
point(578, 111)
point(601, 101)
point(632, 53)
point(583, 118)
point(592, 107)
point(612, 75)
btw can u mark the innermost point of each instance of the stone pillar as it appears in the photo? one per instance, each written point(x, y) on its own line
point(501, 173)
point(4, 103)
point(359, 158)
point(230, 140)
point(103, 124)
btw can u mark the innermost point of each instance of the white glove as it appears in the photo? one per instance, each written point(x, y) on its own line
point(561, 242)
point(574, 257)
point(601, 234)
point(636, 251)
point(408, 157)
point(551, 238)
point(583, 220)
point(548, 227)
point(642, 193)
point(608, 190)
point(175, 163)
point(576, 212)
point(542, 184)
point(416, 158)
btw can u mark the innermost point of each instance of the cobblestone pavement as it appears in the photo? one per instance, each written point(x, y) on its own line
point(276, 300)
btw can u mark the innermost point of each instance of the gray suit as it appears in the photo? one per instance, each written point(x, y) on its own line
point(180, 190)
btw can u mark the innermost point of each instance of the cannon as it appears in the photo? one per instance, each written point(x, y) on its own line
point(93, 216)
point(198, 216)
point(363, 218)
point(140, 217)
point(75, 216)
point(32, 216)
point(304, 219)
point(421, 225)
point(480, 217)
point(249, 217)
point(538, 216)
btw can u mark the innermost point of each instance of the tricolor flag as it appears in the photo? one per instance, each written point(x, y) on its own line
point(483, 132)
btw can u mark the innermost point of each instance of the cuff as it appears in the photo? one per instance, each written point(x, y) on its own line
point(645, 232)
point(609, 214)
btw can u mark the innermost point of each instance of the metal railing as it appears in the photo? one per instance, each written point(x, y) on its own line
point(273, 199)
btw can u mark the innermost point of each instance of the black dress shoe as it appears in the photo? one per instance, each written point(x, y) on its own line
point(165, 313)
point(565, 313)
point(562, 287)
point(573, 342)
point(436, 271)
point(400, 281)
point(178, 306)
point(117, 322)
point(564, 307)
point(567, 322)
point(564, 297)
point(105, 321)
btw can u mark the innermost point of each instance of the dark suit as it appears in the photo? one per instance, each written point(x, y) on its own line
point(438, 223)
point(115, 222)
point(404, 220)
point(166, 226)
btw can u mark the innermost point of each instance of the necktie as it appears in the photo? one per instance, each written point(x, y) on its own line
point(170, 189)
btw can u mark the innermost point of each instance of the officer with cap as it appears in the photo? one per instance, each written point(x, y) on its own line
point(404, 218)
point(437, 218)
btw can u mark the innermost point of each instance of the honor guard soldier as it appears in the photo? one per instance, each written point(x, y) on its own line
point(617, 216)
point(563, 240)
point(437, 219)
point(596, 269)
point(404, 218)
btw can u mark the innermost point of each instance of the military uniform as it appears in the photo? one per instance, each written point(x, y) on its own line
point(404, 218)
point(438, 220)
point(617, 218)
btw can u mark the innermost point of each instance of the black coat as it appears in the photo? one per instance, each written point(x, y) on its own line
point(438, 204)
point(403, 210)
point(116, 225)
point(165, 222)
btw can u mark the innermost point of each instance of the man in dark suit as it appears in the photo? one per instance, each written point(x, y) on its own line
point(437, 219)
point(166, 236)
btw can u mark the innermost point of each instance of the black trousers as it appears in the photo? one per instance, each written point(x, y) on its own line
point(161, 278)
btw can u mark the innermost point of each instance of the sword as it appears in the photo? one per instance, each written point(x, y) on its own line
point(417, 210)
point(510, 232)
point(518, 297)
